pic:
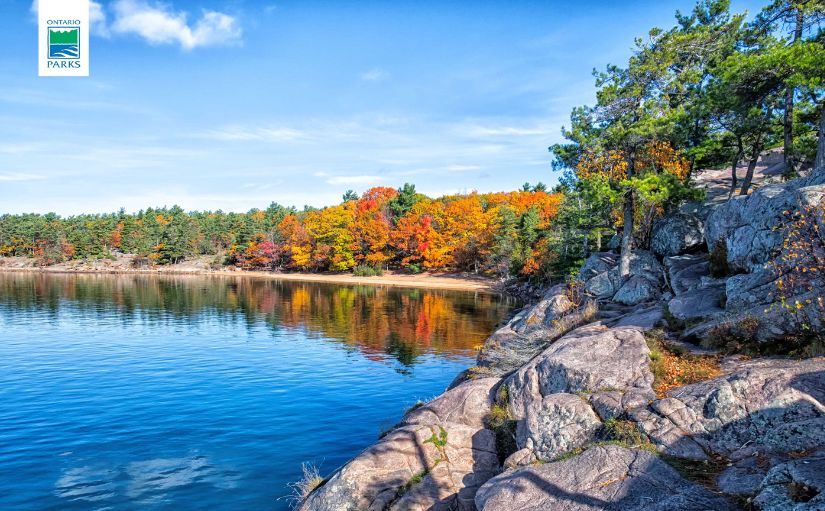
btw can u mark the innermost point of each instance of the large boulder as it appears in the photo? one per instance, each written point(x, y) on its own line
point(532, 330)
point(408, 470)
point(557, 425)
point(687, 272)
point(638, 289)
point(608, 477)
point(596, 264)
point(466, 404)
point(698, 303)
point(769, 406)
point(677, 234)
point(589, 359)
point(600, 274)
point(749, 226)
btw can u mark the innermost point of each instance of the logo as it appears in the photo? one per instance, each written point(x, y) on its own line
point(63, 37)
point(64, 42)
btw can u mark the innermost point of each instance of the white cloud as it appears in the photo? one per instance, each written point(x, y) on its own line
point(374, 75)
point(97, 17)
point(16, 176)
point(267, 134)
point(354, 180)
point(159, 24)
point(505, 131)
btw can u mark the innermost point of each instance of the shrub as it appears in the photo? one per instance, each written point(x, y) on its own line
point(414, 268)
point(719, 260)
point(733, 335)
point(366, 270)
point(801, 269)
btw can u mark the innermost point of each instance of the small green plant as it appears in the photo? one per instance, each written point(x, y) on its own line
point(367, 270)
point(439, 440)
point(414, 480)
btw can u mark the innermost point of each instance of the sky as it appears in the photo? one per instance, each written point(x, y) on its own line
point(234, 104)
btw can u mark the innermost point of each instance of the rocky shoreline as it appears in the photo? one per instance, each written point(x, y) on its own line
point(566, 407)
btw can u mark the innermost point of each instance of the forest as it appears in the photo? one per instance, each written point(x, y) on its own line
point(715, 90)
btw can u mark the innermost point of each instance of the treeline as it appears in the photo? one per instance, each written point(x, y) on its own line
point(494, 233)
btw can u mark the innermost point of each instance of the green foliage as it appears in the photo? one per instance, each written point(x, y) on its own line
point(622, 430)
point(367, 270)
point(404, 201)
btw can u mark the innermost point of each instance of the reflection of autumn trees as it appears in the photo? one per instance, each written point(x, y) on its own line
point(377, 321)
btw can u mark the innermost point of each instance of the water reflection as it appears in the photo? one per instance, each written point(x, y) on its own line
point(377, 321)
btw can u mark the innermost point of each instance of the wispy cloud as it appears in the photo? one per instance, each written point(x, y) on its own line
point(374, 75)
point(160, 24)
point(15, 176)
point(261, 134)
point(354, 180)
point(505, 131)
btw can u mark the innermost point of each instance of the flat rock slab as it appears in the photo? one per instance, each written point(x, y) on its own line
point(698, 303)
point(602, 478)
point(765, 406)
point(374, 480)
point(797, 485)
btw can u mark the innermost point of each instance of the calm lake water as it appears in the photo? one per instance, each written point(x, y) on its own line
point(184, 393)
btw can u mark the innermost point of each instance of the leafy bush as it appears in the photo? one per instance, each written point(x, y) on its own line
point(366, 270)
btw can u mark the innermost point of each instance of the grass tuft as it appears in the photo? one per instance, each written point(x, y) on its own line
point(310, 481)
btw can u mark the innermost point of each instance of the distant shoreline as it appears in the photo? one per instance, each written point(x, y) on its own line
point(446, 281)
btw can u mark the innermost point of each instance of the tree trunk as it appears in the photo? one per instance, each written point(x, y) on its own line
point(787, 128)
point(820, 147)
point(787, 122)
point(746, 183)
point(627, 234)
point(733, 179)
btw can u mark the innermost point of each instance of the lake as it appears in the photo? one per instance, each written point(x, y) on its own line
point(191, 392)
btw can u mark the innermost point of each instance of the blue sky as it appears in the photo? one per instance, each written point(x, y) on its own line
point(233, 104)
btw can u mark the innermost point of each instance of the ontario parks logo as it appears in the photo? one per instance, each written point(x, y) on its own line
point(64, 42)
point(63, 37)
